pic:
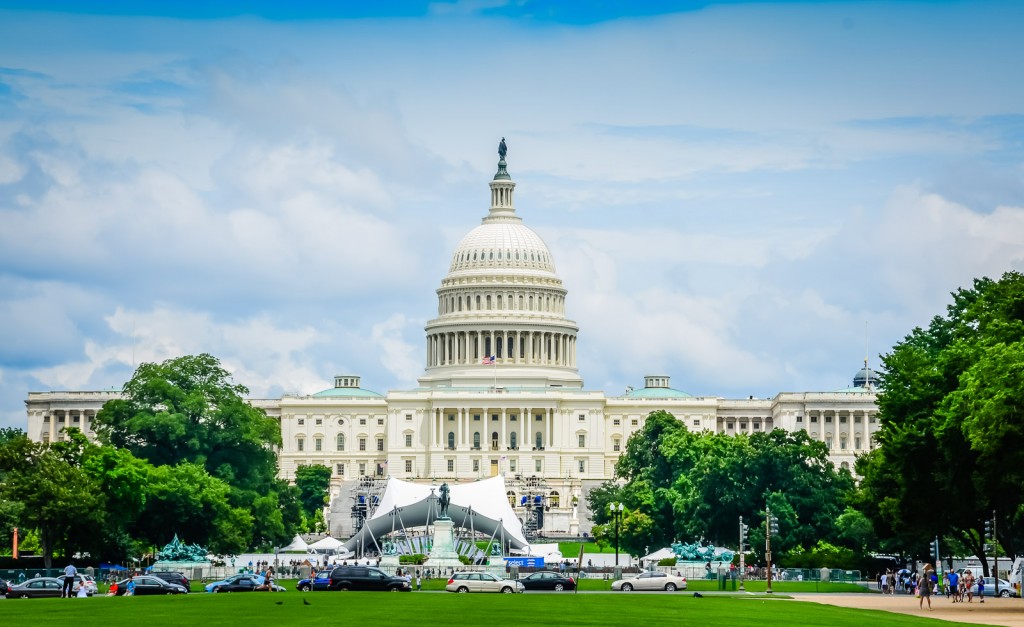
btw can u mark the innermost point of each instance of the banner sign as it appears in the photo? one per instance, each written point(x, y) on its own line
point(533, 562)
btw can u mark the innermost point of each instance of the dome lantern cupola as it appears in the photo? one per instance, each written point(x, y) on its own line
point(502, 187)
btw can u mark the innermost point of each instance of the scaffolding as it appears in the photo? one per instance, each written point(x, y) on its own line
point(366, 495)
point(531, 501)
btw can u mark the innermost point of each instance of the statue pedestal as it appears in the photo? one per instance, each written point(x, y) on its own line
point(442, 551)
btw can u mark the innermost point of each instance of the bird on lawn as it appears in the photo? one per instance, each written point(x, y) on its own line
point(305, 602)
point(698, 595)
point(278, 602)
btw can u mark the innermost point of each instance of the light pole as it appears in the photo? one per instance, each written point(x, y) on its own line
point(771, 524)
point(615, 509)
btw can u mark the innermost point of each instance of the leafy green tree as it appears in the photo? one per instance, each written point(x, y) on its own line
point(312, 482)
point(951, 424)
point(187, 410)
point(58, 499)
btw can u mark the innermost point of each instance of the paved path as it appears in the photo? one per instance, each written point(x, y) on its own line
point(994, 611)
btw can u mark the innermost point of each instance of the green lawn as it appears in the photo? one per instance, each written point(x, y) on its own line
point(427, 609)
point(571, 550)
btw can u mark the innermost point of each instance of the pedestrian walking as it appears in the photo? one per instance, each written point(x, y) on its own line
point(924, 587)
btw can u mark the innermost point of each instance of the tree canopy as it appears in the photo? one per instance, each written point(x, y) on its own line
point(952, 424)
point(680, 485)
point(188, 411)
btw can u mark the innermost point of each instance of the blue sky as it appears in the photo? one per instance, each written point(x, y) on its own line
point(738, 195)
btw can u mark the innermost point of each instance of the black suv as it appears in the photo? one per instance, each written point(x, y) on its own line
point(173, 577)
point(366, 578)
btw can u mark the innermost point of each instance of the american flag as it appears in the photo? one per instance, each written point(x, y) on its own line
point(489, 360)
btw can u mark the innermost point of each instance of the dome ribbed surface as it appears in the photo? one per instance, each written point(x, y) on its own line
point(502, 244)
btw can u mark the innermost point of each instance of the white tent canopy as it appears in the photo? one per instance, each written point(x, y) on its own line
point(326, 544)
point(481, 505)
point(657, 556)
point(297, 545)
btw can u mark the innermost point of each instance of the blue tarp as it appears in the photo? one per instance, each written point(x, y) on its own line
point(112, 567)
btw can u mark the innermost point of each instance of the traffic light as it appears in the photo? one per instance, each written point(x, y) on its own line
point(744, 529)
point(773, 524)
point(988, 528)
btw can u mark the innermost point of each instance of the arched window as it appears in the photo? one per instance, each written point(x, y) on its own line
point(494, 440)
point(512, 440)
point(553, 499)
point(300, 444)
point(540, 440)
point(341, 441)
point(476, 440)
point(451, 440)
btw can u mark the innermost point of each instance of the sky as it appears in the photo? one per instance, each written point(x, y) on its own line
point(750, 197)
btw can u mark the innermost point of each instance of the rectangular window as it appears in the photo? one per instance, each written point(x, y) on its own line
point(362, 421)
point(616, 446)
point(730, 426)
point(538, 418)
point(408, 440)
point(451, 465)
point(319, 421)
point(799, 418)
point(318, 444)
point(408, 417)
point(408, 465)
point(757, 426)
point(635, 422)
point(871, 420)
point(858, 419)
point(476, 465)
point(512, 418)
point(362, 469)
point(616, 422)
point(583, 440)
point(476, 417)
point(301, 444)
point(380, 444)
point(538, 465)
point(340, 470)
point(362, 444)
point(512, 465)
point(583, 466)
point(856, 443)
point(828, 419)
point(451, 417)
point(301, 421)
point(814, 419)
point(842, 420)
point(696, 422)
point(494, 417)
point(583, 417)
point(380, 421)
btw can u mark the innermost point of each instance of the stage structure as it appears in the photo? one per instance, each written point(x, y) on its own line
point(406, 512)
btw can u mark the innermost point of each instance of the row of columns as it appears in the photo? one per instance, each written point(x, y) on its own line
point(508, 347)
point(51, 419)
point(462, 427)
point(836, 429)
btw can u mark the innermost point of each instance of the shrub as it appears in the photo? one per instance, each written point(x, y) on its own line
point(416, 559)
point(668, 561)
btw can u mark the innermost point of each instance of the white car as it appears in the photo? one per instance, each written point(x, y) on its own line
point(87, 581)
point(482, 582)
point(651, 581)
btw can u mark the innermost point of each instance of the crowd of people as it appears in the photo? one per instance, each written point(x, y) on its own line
point(959, 588)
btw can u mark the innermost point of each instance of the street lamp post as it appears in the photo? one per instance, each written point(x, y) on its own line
point(615, 509)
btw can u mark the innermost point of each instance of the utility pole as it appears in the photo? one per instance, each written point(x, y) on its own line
point(743, 539)
point(771, 524)
point(995, 554)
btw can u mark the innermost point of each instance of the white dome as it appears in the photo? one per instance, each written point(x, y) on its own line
point(497, 244)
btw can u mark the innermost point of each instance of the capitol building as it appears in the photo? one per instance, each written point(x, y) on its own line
point(501, 394)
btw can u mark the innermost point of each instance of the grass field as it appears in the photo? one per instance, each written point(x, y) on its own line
point(427, 609)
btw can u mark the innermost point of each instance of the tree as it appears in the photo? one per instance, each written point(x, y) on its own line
point(57, 498)
point(951, 424)
point(187, 410)
point(312, 482)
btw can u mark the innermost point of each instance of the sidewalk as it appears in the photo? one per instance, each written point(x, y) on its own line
point(994, 611)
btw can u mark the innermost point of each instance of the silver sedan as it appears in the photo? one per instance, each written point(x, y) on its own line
point(651, 581)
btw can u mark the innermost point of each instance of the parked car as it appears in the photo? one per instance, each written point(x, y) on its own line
point(246, 582)
point(651, 581)
point(1006, 588)
point(171, 576)
point(3, 586)
point(548, 580)
point(366, 578)
point(147, 584)
point(322, 581)
point(37, 587)
point(482, 582)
